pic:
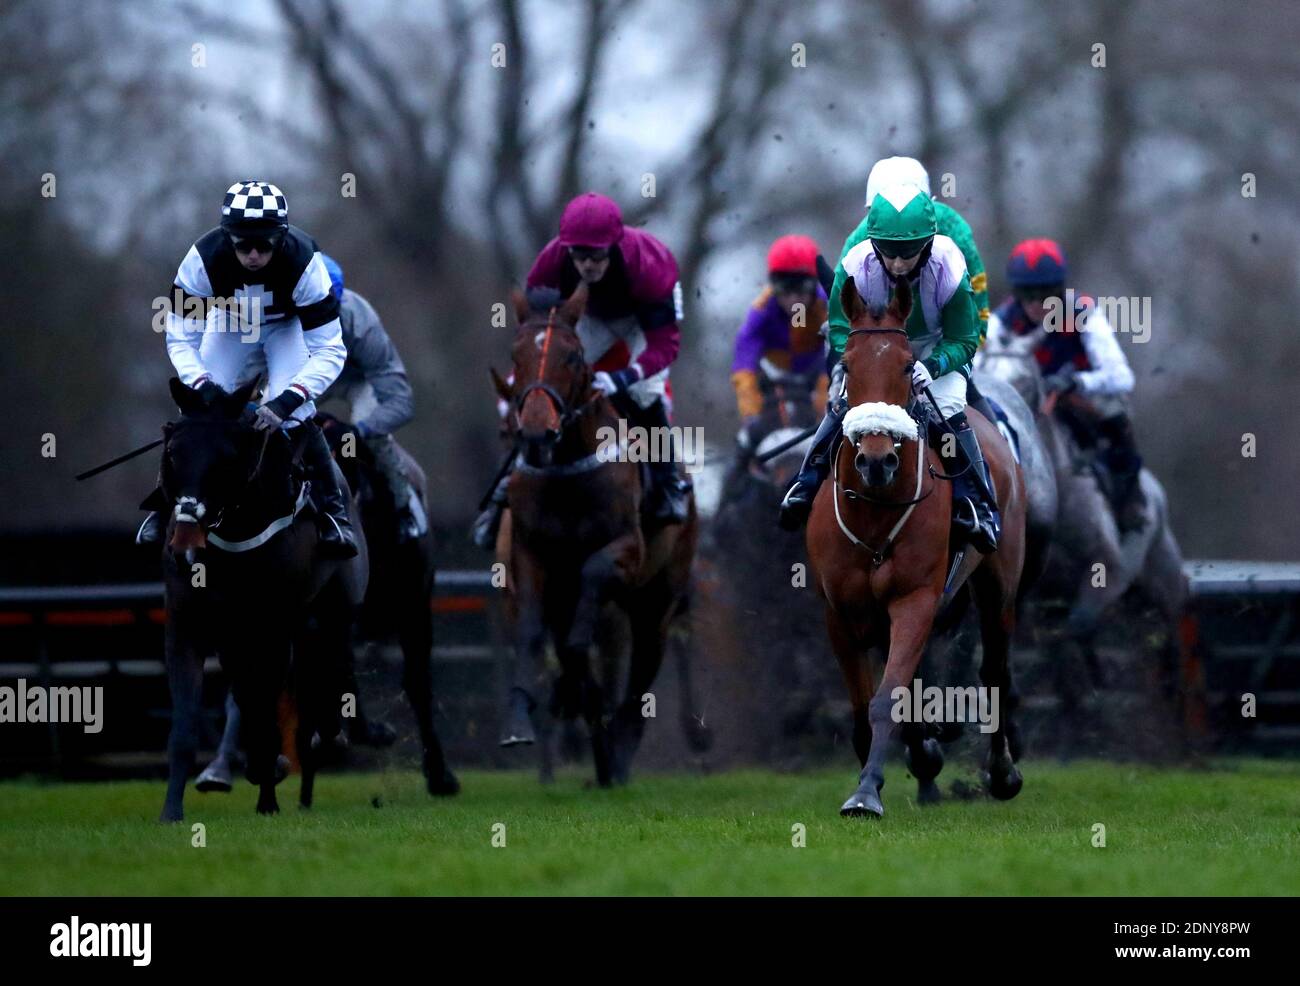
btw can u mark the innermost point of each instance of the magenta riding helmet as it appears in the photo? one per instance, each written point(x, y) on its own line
point(591, 220)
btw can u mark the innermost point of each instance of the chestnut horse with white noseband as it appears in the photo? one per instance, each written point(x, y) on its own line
point(878, 543)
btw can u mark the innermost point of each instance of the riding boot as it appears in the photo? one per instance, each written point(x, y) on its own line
point(332, 520)
point(976, 512)
point(1125, 466)
point(816, 464)
point(669, 495)
point(411, 520)
point(488, 522)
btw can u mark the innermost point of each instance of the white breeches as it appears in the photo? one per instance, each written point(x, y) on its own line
point(949, 393)
point(226, 353)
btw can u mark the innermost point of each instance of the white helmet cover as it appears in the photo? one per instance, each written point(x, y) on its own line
point(896, 171)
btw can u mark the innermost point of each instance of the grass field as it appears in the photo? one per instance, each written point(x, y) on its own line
point(1233, 829)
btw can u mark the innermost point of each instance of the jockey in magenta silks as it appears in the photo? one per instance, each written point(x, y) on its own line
point(1081, 361)
point(630, 331)
point(903, 242)
point(256, 285)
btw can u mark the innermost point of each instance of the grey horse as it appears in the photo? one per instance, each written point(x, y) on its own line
point(1092, 564)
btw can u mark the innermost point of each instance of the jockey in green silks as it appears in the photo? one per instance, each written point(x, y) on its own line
point(903, 241)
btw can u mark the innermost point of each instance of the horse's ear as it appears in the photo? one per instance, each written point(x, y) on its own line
point(237, 401)
point(186, 398)
point(901, 304)
point(520, 302)
point(576, 304)
point(503, 389)
point(851, 302)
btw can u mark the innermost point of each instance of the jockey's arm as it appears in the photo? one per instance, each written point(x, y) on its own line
point(184, 332)
point(746, 363)
point(318, 313)
point(663, 338)
point(1109, 373)
point(961, 332)
point(374, 353)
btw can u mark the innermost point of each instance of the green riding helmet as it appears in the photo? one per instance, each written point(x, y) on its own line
point(901, 220)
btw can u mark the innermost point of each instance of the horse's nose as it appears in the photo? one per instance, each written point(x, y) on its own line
point(890, 461)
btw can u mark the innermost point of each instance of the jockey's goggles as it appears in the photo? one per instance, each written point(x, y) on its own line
point(900, 249)
point(262, 244)
point(793, 283)
point(1038, 292)
point(589, 253)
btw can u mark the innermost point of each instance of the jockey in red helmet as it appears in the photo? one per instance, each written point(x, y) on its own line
point(783, 326)
point(1083, 363)
point(629, 331)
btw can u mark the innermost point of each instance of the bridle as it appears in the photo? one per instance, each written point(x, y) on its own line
point(919, 416)
point(567, 415)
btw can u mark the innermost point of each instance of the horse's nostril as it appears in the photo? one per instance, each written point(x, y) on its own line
point(891, 461)
point(860, 461)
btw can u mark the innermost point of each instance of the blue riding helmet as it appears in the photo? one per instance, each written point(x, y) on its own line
point(336, 275)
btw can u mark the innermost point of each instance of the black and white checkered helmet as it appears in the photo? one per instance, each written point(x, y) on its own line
point(254, 204)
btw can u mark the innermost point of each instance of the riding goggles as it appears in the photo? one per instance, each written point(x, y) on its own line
point(1038, 292)
point(900, 249)
point(262, 244)
point(589, 253)
point(793, 283)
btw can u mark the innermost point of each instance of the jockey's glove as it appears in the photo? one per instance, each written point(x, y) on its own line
point(616, 382)
point(1061, 382)
point(273, 413)
point(921, 377)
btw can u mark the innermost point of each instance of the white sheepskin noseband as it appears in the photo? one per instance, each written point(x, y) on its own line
point(876, 418)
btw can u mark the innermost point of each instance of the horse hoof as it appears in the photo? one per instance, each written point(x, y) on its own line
point(926, 764)
point(927, 793)
point(1006, 786)
point(518, 728)
point(863, 805)
point(443, 786)
point(169, 817)
point(216, 777)
point(268, 809)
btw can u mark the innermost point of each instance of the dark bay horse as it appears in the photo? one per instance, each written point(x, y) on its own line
point(240, 569)
point(400, 587)
point(878, 544)
point(577, 550)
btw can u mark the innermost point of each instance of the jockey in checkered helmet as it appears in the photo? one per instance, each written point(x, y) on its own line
point(255, 283)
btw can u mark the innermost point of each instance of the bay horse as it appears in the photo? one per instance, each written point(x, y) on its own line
point(241, 567)
point(878, 546)
point(577, 550)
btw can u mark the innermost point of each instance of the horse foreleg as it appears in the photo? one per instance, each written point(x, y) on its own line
point(651, 616)
point(529, 643)
point(910, 617)
point(415, 636)
point(613, 564)
point(185, 682)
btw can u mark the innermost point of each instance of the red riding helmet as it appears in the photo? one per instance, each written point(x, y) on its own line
point(793, 255)
point(1036, 263)
point(591, 220)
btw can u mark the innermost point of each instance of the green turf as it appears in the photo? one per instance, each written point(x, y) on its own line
point(1234, 829)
